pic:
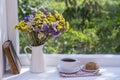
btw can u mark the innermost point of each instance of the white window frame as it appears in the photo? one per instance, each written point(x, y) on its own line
point(51, 59)
point(12, 19)
point(104, 60)
point(3, 33)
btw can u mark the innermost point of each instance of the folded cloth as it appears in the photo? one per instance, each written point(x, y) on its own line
point(80, 73)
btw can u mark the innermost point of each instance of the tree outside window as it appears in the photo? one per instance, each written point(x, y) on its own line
point(94, 25)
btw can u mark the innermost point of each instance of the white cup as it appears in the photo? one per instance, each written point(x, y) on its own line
point(69, 64)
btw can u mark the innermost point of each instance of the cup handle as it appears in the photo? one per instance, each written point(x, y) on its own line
point(25, 49)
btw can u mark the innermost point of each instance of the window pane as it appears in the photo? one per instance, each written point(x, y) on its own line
point(94, 25)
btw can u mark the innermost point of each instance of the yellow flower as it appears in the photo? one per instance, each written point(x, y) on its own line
point(59, 27)
point(66, 26)
point(56, 12)
point(62, 22)
point(22, 26)
point(46, 21)
point(51, 18)
point(56, 15)
point(40, 15)
point(38, 22)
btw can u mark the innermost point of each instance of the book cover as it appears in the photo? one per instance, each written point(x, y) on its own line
point(13, 59)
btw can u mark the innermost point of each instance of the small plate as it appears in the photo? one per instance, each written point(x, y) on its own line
point(68, 71)
point(83, 69)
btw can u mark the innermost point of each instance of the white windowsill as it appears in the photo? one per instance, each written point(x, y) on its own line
point(108, 73)
point(109, 67)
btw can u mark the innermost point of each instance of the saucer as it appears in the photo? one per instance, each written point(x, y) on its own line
point(83, 69)
point(68, 71)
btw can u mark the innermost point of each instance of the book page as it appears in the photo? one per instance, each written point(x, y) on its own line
point(1, 62)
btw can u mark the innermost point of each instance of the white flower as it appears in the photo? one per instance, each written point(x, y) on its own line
point(40, 35)
point(54, 24)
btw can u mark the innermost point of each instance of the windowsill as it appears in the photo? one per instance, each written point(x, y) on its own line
point(108, 73)
point(110, 68)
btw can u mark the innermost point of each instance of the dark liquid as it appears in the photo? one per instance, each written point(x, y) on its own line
point(68, 60)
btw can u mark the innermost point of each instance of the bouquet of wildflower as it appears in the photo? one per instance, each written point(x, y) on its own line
point(42, 25)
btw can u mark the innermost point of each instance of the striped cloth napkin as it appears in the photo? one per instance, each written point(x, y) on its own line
point(80, 73)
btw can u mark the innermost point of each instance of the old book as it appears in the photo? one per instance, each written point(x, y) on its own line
point(14, 62)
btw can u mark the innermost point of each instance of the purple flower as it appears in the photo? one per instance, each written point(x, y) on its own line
point(46, 27)
point(37, 30)
point(26, 18)
point(45, 10)
point(57, 33)
point(53, 32)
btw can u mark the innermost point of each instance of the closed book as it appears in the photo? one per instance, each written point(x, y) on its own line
point(13, 59)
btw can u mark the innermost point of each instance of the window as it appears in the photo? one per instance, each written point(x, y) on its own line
point(94, 29)
point(52, 59)
point(94, 25)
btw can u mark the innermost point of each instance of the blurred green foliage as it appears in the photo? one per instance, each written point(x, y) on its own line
point(94, 25)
